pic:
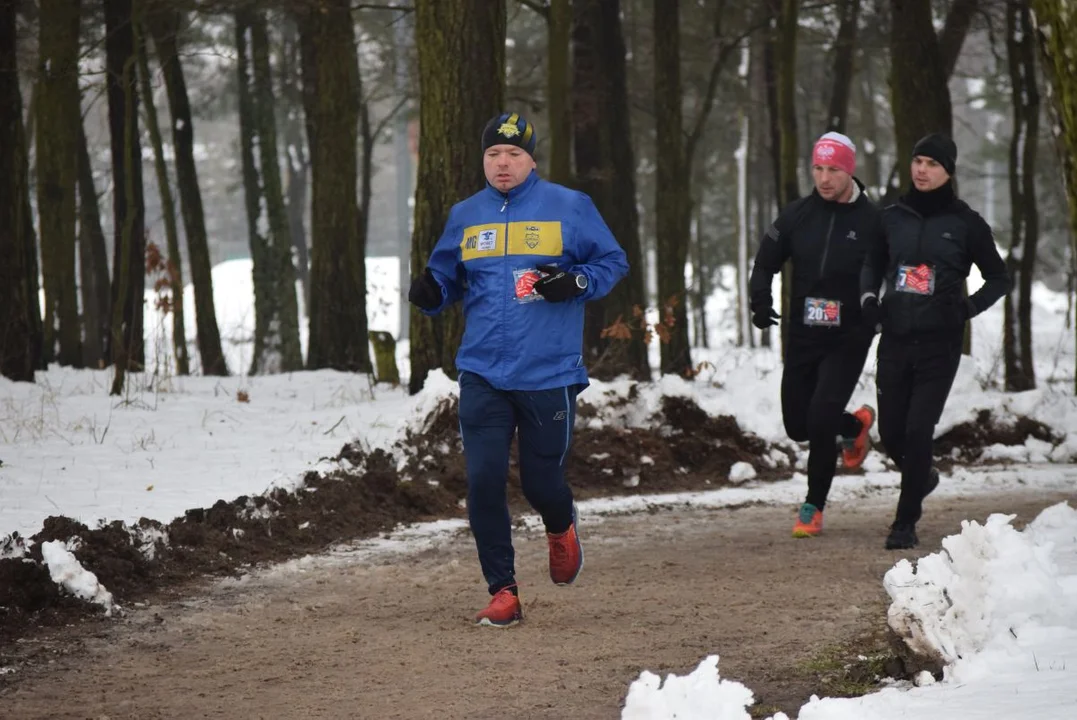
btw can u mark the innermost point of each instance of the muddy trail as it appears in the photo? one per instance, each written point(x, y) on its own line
point(388, 635)
point(371, 492)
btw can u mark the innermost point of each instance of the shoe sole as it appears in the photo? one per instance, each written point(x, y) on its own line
point(867, 444)
point(579, 546)
point(902, 546)
point(487, 622)
point(806, 533)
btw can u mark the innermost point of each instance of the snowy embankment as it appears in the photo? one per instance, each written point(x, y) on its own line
point(996, 607)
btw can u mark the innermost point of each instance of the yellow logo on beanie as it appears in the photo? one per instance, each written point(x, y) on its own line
point(508, 130)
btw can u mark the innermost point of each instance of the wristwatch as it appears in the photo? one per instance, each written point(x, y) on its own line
point(581, 281)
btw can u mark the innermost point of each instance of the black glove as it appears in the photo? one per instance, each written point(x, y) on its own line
point(425, 291)
point(764, 317)
point(558, 285)
point(958, 307)
point(871, 315)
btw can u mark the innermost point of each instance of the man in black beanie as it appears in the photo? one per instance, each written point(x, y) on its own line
point(523, 256)
point(929, 242)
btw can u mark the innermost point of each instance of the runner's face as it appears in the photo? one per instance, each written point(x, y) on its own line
point(832, 183)
point(928, 174)
point(507, 166)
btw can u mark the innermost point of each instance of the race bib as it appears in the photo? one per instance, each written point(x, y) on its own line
point(525, 279)
point(915, 279)
point(822, 312)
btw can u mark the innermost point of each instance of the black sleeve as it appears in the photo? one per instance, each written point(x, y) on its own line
point(772, 254)
point(871, 274)
point(991, 265)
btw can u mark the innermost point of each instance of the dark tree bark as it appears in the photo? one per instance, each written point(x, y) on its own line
point(606, 170)
point(919, 94)
point(58, 118)
point(296, 157)
point(558, 87)
point(461, 85)
point(672, 205)
point(781, 73)
point(164, 23)
point(1056, 26)
point(93, 265)
point(844, 51)
point(19, 335)
point(1024, 215)
point(921, 67)
point(174, 263)
point(338, 324)
point(276, 341)
point(127, 344)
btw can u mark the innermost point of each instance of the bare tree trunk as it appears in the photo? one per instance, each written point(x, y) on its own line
point(252, 185)
point(93, 265)
point(57, 176)
point(783, 105)
point(672, 203)
point(559, 83)
point(168, 209)
point(280, 334)
point(338, 324)
point(1024, 219)
point(873, 171)
point(127, 344)
point(462, 84)
point(163, 24)
point(919, 94)
point(1056, 25)
point(295, 153)
point(17, 331)
point(122, 355)
point(606, 171)
point(844, 51)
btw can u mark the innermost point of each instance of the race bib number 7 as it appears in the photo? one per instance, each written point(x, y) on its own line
point(822, 312)
point(915, 279)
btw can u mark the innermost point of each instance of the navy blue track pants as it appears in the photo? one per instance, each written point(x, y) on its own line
point(488, 420)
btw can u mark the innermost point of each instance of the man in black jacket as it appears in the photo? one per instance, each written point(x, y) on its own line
point(930, 240)
point(827, 235)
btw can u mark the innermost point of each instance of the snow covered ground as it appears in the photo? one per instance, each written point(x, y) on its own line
point(173, 443)
point(1000, 606)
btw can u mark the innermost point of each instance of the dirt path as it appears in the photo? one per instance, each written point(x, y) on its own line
point(352, 638)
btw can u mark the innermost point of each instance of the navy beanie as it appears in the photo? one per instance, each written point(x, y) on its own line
point(509, 129)
point(939, 148)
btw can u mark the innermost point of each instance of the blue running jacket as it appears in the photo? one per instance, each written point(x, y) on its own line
point(488, 257)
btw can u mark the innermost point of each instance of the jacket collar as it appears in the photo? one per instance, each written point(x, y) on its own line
point(518, 191)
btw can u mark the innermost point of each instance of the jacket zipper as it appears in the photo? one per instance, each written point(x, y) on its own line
point(826, 245)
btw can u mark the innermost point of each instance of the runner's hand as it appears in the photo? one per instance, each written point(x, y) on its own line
point(765, 317)
point(425, 291)
point(558, 285)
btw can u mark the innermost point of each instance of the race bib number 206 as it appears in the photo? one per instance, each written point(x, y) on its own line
point(821, 312)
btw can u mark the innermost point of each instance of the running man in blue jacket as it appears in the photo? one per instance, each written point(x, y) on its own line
point(523, 255)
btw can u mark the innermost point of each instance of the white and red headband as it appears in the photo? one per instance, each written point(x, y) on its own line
point(835, 150)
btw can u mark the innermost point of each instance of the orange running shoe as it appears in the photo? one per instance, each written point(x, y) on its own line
point(566, 554)
point(855, 450)
point(503, 611)
point(809, 521)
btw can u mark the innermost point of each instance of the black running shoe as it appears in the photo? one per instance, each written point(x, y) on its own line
point(902, 537)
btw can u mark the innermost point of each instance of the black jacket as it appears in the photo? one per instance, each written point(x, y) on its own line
point(945, 235)
point(828, 242)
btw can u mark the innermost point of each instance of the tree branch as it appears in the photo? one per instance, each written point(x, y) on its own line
point(725, 51)
point(385, 120)
point(540, 7)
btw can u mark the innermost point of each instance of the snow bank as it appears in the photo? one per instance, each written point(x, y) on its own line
point(68, 572)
